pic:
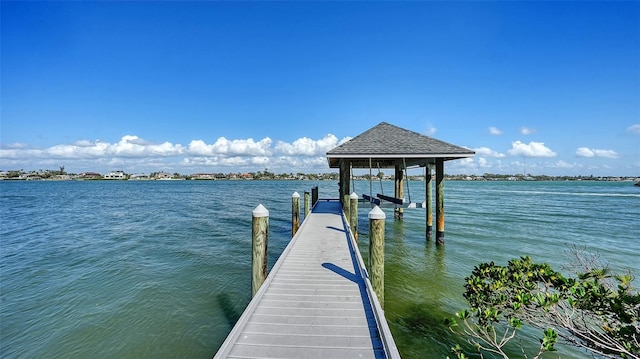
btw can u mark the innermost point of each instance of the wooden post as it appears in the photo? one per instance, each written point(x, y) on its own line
point(314, 195)
point(346, 204)
point(344, 184)
point(259, 240)
point(399, 191)
point(376, 251)
point(439, 201)
point(429, 201)
point(353, 215)
point(295, 213)
point(307, 204)
point(341, 184)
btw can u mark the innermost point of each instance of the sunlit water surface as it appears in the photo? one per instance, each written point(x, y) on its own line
point(162, 269)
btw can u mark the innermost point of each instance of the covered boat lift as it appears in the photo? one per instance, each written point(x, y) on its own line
point(389, 146)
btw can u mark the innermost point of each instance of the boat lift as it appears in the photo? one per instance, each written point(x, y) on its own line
point(385, 201)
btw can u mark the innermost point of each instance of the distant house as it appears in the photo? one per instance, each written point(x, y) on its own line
point(139, 177)
point(31, 177)
point(89, 175)
point(203, 176)
point(163, 176)
point(60, 177)
point(115, 175)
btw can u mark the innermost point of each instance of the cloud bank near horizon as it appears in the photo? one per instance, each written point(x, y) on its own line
point(138, 155)
point(138, 152)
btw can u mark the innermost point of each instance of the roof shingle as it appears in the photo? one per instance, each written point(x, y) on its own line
point(392, 143)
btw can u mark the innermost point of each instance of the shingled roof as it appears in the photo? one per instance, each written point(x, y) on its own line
point(386, 145)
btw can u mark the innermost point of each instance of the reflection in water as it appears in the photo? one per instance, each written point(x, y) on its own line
point(231, 314)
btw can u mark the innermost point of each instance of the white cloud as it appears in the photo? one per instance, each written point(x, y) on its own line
point(260, 160)
point(486, 151)
point(431, 131)
point(495, 131)
point(587, 152)
point(634, 129)
point(246, 147)
point(527, 131)
point(561, 164)
point(482, 162)
point(307, 147)
point(533, 149)
point(14, 146)
point(128, 146)
point(83, 143)
point(584, 152)
point(223, 152)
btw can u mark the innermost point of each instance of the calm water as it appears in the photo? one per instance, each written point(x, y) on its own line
point(162, 269)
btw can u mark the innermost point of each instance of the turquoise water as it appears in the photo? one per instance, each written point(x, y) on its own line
point(162, 269)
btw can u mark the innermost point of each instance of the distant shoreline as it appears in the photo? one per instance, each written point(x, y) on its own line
point(466, 178)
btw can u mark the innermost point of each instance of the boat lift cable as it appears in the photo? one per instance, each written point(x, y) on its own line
point(370, 183)
point(380, 178)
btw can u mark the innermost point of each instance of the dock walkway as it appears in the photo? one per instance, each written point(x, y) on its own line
point(316, 302)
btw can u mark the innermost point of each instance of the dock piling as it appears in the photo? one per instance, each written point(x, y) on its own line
point(307, 204)
point(295, 213)
point(353, 215)
point(439, 201)
point(259, 240)
point(346, 205)
point(429, 201)
point(376, 251)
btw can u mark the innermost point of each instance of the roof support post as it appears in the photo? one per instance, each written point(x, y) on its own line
point(429, 200)
point(399, 191)
point(439, 201)
point(344, 183)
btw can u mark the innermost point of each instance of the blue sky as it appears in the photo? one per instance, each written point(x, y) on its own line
point(205, 86)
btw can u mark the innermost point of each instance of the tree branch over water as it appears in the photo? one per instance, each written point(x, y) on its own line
point(597, 310)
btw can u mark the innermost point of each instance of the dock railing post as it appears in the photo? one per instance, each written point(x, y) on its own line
point(314, 195)
point(295, 213)
point(259, 240)
point(376, 251)
point(353, 215)
point(307, 204)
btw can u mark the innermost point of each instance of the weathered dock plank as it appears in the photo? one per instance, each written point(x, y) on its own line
point(315, 302)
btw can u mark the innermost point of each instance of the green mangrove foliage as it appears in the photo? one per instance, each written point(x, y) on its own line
point(597, 310)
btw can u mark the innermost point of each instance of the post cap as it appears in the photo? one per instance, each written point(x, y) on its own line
point(377, 213)
point(353, 196)
point(295, 195)
point(260, 211)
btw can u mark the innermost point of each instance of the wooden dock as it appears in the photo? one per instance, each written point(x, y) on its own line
point(317, 301)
